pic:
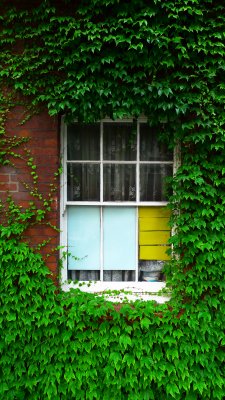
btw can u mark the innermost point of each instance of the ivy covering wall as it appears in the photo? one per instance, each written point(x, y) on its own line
point(87, 60)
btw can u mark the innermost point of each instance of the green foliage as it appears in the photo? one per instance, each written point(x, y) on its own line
point(117, 58)
point(73, 345)
point(113, 58)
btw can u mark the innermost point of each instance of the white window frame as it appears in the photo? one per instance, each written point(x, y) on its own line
point(143, 290)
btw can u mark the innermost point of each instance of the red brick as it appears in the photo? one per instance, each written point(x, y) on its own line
point(24, 204)
point(4, 178)
point(13, 178)
point(47, 253)
point(22, 187)
point(36, 240)
point(48, 249)
point(46, 142)
point(41, 231)
point(54, 271)
point(44, 151)
point(46, 161)
point(42, 121)
point(21, 196)
point(8, 187)
point(52, 260)
point(7, 170)
point(43, 143)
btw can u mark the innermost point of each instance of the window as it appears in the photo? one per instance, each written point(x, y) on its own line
point(115, 224)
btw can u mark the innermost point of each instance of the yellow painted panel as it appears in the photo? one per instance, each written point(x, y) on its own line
point(154, 253)
point(155, 237)
point(156, 212)
point(153, 224)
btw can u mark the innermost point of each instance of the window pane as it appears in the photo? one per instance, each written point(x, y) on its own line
point(119, 246)
point(150, 148)
point(84, 237)
point(151, 271)
point(119, 142)
point(83, 182)
point(152, 181)
point(119, 276)
point(84, 275)
point(83, 142)
point(119, 182)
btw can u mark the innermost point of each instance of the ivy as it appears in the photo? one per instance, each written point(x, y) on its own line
point(88, 60)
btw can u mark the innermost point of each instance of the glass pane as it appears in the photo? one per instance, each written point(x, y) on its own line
point(119, 242)
point(119, 182)
point(84, 238)
point(150, 148)
point(119, 276)
point(119, 142)
point(152, 181)
point(151, 271)
point(83, 142)
point(83, 182)
point(85, 275)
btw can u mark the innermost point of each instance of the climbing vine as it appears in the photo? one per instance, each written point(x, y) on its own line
point(88, 60)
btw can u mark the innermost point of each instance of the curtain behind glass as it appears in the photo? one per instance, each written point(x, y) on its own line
point(83, 142)
point(83, 182)
point(152, 181)
point(150, 147)
point(119, 142)
point(119, 182)
point(108, 276)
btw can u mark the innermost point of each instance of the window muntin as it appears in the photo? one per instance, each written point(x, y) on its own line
point(123, 172)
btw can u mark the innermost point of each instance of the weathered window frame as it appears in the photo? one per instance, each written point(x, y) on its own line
point(145, 290)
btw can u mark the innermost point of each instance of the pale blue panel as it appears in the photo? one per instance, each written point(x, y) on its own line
point(119, 238)
point(84, 237)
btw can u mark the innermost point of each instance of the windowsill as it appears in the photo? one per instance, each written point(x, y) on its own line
point(122, 291)
point(118, 203)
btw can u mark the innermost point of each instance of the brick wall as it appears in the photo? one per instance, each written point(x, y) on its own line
point(43, 144)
